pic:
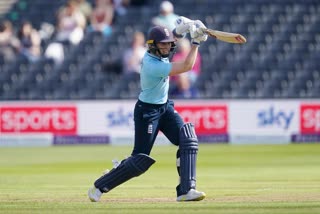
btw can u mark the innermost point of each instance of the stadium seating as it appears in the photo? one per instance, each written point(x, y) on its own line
point(280, 60)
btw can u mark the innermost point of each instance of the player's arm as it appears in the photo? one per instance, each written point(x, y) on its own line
point(187, 64)
point(197, 37)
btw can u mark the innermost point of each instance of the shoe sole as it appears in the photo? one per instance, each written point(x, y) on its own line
point(194, 199)
point(92, 200)
point(199, 198)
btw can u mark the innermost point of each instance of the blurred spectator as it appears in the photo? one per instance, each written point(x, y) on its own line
point(102, 17)
point(132, 56)
point(184, 84)
point(71, 24)
point(70, 30)
point(120, 6)
point(166, 17)
point(30, 41)
point(9, 44)
point(46, 31)
point(85, 8)
point(55, 51)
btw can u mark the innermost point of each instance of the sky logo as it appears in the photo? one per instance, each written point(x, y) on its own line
point(272, 117)
point(119, 118)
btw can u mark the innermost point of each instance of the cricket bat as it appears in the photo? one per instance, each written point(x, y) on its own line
point(225, 36)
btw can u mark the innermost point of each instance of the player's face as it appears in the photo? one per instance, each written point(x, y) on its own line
point(164, 47)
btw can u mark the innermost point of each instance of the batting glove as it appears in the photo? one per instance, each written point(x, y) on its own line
point(183, 25)
point(200, 27)
point(197, 34)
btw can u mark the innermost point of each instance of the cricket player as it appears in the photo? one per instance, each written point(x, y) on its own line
point(153, 112)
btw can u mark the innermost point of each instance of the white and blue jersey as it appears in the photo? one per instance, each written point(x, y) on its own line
point(154, 78)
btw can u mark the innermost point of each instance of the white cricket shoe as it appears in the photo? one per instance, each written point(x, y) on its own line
point(192, 195)
point(94, 194)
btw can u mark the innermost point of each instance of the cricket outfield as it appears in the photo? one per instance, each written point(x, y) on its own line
point(244, 179)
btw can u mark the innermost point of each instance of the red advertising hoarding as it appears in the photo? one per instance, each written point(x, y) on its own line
point(310, 119)
point(208, 119)
point(38, 119)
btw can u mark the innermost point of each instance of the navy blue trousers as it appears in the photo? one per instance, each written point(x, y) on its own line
point(149, 119)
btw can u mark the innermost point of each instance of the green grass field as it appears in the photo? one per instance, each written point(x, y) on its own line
point(237, 179)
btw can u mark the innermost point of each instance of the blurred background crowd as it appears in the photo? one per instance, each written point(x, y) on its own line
point(92, 49)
